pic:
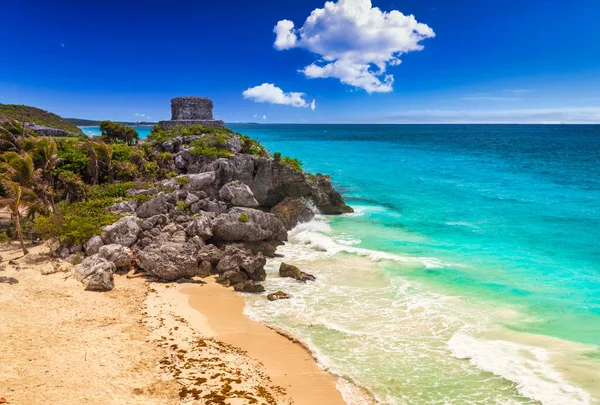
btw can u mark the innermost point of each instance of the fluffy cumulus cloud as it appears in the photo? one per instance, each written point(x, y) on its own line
point(269, 93)
point(355, 41)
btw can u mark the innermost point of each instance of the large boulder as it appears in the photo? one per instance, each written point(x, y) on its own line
point(292, 211)
point(121, 256)
point(161, 204)
point(201, 181)
point(95, 273)
point(248, 225)
point(123, 232)
point(249, 286)
point(169, 261)
point(201, 225)
point(238, 194)
point(93, 245)
point(288, 270)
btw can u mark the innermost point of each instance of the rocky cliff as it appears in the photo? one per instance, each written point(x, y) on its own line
point(220, 215)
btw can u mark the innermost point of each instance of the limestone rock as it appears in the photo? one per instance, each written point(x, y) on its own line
point(123, 232)
point(201, 225)
point(208, 205)
point(238, 194)
point(201, 181)
point(249, 286)
point(292, 211)
point(279, 295)
point(232, 277)
point(248, 225)
point(169, 261)
point(287, 270)
point(121, 256)
point(93, 245)
point(210, 254)
point(161, 204)
point(95, 273)
point(124, 207)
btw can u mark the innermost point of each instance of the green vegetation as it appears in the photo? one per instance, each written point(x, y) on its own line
point(160, 135)
point(114, 132)
point(23, 113)
point(60, 188)
point(182, 181)
point(294, 163)
point(77, 222)
point(182, 206)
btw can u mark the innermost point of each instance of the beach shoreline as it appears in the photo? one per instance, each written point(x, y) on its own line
point(143, 342)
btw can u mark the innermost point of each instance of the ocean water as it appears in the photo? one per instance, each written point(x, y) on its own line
point(142, 130)
point(469, 272)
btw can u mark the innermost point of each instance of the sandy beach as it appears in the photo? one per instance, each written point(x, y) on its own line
point(143, 342)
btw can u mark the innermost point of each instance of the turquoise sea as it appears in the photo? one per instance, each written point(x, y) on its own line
point(469, 273)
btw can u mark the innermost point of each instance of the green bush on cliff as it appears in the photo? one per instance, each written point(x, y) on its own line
point(244, 218)
point(160, 135)
point(294, 163)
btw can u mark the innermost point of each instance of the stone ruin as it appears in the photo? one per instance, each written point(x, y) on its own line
point(187, 111)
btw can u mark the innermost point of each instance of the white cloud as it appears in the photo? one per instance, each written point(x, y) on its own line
point(574, 115)
point(140, 114)
point(264, 117)
point(355, 41)
point(269, 93)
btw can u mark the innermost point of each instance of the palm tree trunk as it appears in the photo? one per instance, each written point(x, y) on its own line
point(19, 234)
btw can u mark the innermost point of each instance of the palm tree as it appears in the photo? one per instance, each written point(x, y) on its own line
point(16, 198)
point(44, 153)
point(100, 156)
point(12, 134)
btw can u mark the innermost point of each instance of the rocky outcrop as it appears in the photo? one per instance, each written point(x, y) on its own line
point(125, 207)
point(288, 270)
point(121, 256)
point(169, 261)
point(123, 232)
point(249, 286)
point(235, 259)
point(292, 211)
point(93, 245)
point(238, 194)
point(201, 225)
point(248, 225)
point(95, 273)
point(161, 204)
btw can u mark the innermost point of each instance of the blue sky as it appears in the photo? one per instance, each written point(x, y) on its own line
point(461, 61)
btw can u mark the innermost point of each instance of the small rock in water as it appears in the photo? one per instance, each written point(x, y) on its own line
point(287, 270)
point(279, 295)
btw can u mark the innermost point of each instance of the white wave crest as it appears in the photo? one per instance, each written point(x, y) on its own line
point(527, 366)
point(316, 233)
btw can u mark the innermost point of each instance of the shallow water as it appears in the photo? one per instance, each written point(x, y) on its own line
point(470, 272)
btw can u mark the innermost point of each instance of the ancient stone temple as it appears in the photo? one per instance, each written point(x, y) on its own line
point(188, 111)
